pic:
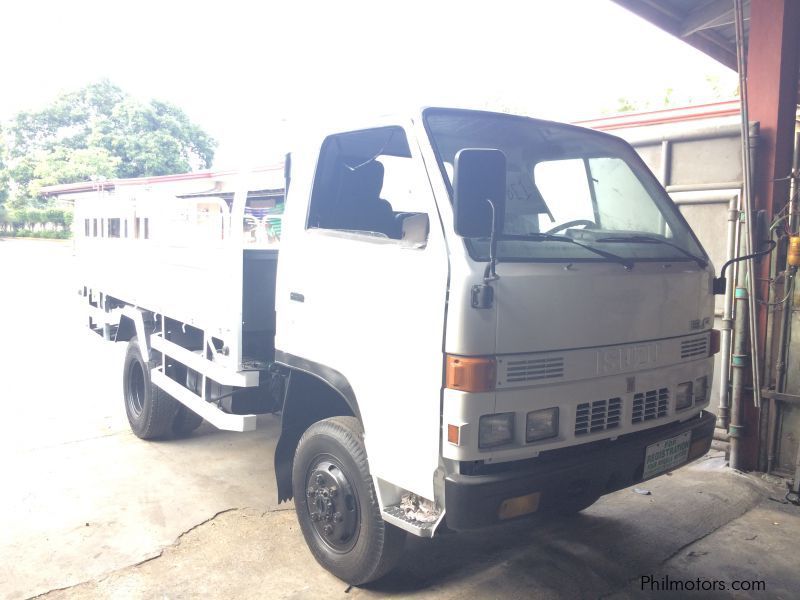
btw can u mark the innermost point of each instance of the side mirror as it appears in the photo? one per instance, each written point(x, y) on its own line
point(480, 175)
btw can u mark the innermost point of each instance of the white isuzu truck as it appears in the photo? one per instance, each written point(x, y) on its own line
point(461, 317)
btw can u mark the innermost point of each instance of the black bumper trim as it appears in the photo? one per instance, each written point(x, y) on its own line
point(473, 501)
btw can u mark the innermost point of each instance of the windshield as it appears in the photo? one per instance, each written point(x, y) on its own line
point(575, 184)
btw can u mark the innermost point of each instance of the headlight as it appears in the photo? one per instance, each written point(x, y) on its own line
point(496, 430)
point(683, 396)
point(700, 389)
point(541, 424)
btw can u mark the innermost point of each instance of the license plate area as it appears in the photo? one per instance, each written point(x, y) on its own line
point(664, 455)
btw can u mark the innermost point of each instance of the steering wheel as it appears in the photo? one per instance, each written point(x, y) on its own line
point(585, 222)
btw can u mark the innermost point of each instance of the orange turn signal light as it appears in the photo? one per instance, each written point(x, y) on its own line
point(713, 346)
point(470, 374)
point(521, 505)
point(454, 434)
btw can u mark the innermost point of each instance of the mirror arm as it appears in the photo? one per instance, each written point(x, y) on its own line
point(720, 283)
point(491, 273)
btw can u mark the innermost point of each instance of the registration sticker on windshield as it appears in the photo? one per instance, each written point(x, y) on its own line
point(664, 455)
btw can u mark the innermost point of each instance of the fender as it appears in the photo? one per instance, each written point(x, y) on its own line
point(136, 316)
point(313, 392)
point(331, 377)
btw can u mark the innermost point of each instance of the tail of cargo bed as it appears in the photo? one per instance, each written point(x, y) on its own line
point(193, 280)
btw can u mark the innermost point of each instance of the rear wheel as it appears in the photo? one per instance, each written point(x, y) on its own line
point(185, 422)
point(336, 504)
point(150, 410)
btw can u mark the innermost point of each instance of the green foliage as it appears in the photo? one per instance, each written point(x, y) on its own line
point(66, 165)
point(51, 223)
point(99, 131)
point(625, 105)
point(48, 234)
point(712, 91)
point(155, 139)
point(3, 171)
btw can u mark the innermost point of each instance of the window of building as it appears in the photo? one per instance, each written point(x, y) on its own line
point(113, 228)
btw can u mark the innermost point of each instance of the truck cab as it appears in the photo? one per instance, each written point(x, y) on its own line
point(514, 312)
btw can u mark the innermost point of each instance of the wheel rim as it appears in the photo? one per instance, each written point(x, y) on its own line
point(136, 388)
point(332, 505)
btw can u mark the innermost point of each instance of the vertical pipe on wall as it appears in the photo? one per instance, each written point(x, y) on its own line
point(739, 366)
point(723, 413)
point(748, 200)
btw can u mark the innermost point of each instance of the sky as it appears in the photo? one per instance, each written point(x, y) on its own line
point(253, 74)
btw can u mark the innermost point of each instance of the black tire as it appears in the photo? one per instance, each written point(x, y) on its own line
point(150, 410)
point(185, 422)
point(359, 545)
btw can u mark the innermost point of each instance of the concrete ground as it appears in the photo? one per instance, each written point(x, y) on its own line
point(87, 510)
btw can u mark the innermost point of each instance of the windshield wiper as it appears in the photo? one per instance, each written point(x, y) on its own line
point(646, 239)
point(548, 237)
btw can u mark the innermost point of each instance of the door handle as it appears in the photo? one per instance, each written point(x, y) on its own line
point(297, 297)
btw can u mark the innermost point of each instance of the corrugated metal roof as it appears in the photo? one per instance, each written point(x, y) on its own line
point(705, 24)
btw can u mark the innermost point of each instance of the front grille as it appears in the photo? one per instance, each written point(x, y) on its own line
point(650, 405)
point(518, 371)
point(694, 347)
point(597, 416)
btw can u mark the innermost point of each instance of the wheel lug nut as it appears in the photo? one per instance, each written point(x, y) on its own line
point(328, 529)
point(310, 492)
point(333, 491)
point(320, 480)
point(337, 518)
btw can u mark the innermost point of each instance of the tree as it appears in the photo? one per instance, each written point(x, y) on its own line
point(100, 130)
point(3, 171)
point(66, 165)
point(153, 140)
point(710, 91)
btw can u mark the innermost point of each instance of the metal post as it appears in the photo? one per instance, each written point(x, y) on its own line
point(235, 244)
point(748, 201)
point(665, 176)
point(723, 414)
point(772, 70)
point(739, 366)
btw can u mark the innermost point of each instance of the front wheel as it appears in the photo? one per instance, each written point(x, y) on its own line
point(336, 504)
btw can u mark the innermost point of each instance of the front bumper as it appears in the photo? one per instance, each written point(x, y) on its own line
point(590, 470)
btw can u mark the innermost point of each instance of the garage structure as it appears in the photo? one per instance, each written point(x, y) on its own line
point(768, 427)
